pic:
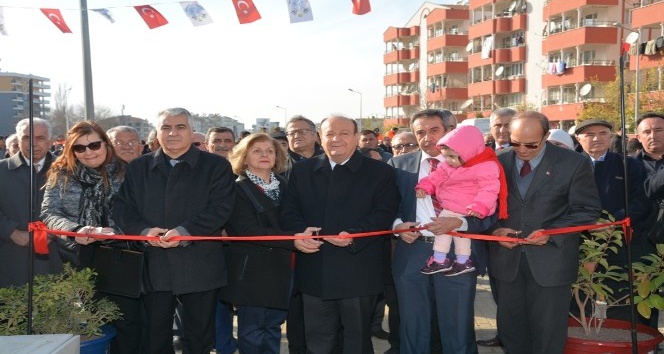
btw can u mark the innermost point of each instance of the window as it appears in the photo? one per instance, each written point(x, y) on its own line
point(587, 57)
point(590, 19)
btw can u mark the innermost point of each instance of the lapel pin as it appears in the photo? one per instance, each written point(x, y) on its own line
point(548, 173)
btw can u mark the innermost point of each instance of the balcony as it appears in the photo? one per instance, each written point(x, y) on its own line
point(480, 3)
point(558, 112)
point(401, 100)
point(648, 14)
point(600, 70)
point(401, 54)
point(447, 40)
point(498, 56)
point(555, 7)
point(482, 88)
point(438, 15)
point(394, 33)
point(580, 36)
point(447, 67)
point(499, 24)
point(447, 93)
point(647, 61)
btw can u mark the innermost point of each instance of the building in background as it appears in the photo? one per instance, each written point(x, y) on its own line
point(552, 56)
point(204, 122)
point(14, 102)
point(141, 125)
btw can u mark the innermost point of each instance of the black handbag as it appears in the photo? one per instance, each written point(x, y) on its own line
point(119, 271)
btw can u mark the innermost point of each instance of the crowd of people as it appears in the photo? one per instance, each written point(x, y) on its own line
point(322, 186)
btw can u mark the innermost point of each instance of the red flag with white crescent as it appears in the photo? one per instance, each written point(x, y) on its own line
point(56, 17)
point(246, 11)
point(151, 16)
point(361, 7)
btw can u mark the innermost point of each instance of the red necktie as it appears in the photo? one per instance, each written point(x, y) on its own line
point(525, 169)
point(437, 206)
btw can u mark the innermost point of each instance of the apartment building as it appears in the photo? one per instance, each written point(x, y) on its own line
point(14, 101)
point(550, 55)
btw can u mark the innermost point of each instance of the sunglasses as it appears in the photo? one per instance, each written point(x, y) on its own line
point(526, 145)
point(403, 146)
point(94, 146)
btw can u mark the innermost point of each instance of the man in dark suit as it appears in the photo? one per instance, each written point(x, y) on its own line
point(340, 192)
point(15, 205)
point(499, 126)
point(549, 187)
point(423, 297)
point(178, 190)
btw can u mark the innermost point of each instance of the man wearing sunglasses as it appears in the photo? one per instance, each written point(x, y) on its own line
point(404, 143)
point(550, 187)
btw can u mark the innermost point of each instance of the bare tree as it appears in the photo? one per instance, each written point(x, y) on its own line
point(63, 111)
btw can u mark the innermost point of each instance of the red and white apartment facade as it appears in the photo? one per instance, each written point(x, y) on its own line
point(472, 58)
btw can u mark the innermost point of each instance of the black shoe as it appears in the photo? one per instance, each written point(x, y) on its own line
point(493, 342)
point(380, 334)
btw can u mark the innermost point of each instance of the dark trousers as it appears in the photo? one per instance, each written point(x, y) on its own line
point(295, 325)
point(393, 316)
point(224, 341)
point(129, 329)
point(324, 319)
point(259, 329)
point(532, 318)
point(378, 314)
point(197, 318)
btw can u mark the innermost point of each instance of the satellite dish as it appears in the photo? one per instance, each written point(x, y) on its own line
point(500, 70)
point(512, 7)
point(632, 38)
point(469, 47)
point(585, 90)
point(411, 66)
point(466, 104)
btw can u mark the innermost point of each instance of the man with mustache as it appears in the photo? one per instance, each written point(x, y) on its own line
point(220, 141)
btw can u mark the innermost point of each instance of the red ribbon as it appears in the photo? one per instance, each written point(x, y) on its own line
point(41, 240)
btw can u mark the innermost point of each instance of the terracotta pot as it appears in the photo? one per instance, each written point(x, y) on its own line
point(588, 346)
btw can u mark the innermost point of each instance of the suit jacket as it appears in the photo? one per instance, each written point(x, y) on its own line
point(15, 215)
point(407, 167)
point(562, 194)
point(358, 196)
point(196, 197)
point(259, 273)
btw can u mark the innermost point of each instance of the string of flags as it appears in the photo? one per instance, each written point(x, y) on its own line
point(246, 10)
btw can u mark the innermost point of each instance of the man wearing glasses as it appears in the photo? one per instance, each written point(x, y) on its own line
point(549, 187)
point(404, 143)
point(126, 142)
point(302, 141)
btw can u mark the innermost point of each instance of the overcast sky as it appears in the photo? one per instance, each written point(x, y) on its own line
point(241, 71)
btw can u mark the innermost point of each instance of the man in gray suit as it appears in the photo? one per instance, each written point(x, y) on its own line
point(549, 187)
point(15, 205)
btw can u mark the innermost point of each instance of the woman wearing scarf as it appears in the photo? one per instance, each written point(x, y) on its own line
point(260, 272)
point(78, 198)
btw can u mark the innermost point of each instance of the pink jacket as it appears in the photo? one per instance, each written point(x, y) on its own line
point(462, 189)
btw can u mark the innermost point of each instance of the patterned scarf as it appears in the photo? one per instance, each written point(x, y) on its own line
point(95, 203)
point(270, 189)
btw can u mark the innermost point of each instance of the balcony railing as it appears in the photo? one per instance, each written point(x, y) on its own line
point(441, 32)
point(594, 62)
point(445, 58)
point(645, 3)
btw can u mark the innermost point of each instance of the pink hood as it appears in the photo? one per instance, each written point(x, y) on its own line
point(466, 140)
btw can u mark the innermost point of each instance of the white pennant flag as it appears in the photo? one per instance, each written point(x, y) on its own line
point(3, 29)
point(106, 13)
point(299, 11)
point(196, 13)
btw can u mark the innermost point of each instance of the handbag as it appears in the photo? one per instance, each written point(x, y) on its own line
point(119, 271)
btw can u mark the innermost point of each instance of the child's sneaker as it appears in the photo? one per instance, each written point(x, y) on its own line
point(433, 267)
point(461, 268)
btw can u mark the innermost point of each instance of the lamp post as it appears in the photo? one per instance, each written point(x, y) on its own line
point(285, 115)
point(359, 93)
point(635, 40)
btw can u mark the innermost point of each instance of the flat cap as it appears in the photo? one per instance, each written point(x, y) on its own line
point(590, 122)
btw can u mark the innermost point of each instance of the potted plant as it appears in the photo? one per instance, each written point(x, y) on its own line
point(62, 303)
point(593, 296)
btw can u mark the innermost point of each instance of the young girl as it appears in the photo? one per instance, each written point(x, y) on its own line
point(468, 183)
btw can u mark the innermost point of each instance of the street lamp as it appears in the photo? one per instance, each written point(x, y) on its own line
point(285, 115)
point(359, 93)
point(634, 38)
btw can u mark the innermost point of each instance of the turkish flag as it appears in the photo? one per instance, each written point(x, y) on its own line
point(246, 11)
point(151, 16)
point(56, 17)
point(361, 7)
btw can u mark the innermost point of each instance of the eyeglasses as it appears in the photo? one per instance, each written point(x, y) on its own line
point(526, 145)
point(298, 132)
point(129, 143)
point(196, 143)
point(94, 146)
point(403, 146)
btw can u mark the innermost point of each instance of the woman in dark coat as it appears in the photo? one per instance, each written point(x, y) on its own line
point(259, 273)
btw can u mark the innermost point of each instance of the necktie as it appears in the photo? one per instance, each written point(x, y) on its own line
point(174, 162)
point(37, 167)
point(437, 206)
point(525, 169)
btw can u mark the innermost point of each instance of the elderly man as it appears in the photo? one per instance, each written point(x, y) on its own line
point(369, 139)
point(404, 143)
point(550, 187)
point(198, 140)
point(178, 191)
point(420, 296)
point(220, 141)
point(499, 123)
point(15, 204)
point(340, 277)
point(126, 142)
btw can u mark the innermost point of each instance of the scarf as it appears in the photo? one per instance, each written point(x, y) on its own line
point(486, 156)
point(95, 204)
point(270, 189)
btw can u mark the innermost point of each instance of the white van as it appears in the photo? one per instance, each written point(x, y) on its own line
point(480, 123)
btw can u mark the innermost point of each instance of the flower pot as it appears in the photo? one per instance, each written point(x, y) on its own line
point(99, 345)
point(589, 346)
